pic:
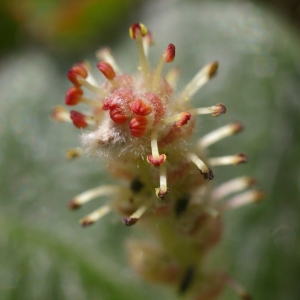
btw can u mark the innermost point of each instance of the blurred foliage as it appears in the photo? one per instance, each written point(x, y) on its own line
point(44, 254)
point(70, 24)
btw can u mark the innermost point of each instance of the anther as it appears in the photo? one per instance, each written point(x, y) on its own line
point(214, 110)
point(78, 119)
point(75, 95)
point(60, 114)
point(204, 170)
point(138, 126)
point(77, 73)
point(73, 153)
point(219, 134)
point(107, 70)
point(168, 56)
point(228, 160)
point(135, 216)
point(179, 119)
point(156, 160)
point(106, 55)
point(163, 189)
point(137, 31)
point(117, 115)
point(139, 107)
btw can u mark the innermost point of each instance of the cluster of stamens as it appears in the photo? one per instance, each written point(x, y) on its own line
point(141, 116)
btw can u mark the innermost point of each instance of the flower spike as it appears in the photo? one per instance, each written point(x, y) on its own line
point(140, 119)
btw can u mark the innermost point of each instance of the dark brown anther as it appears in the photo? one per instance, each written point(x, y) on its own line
point(242, 158)
point(86, 223)
point(73, 205)
point(207, 175)
point(130, 221)
point(213, 69)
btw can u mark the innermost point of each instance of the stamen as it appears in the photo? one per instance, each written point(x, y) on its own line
point(79, 120)
point(73, 153)
point(214, 110)
point(180, 119)
point(91, 87)
point(77, 73)
point(74, 96)
point(155, 159)
point(244, 198)
point(200, 79)
point(163, 189)
point(219, 134)
point(104, 190)
point(242, 293)
point(136, 32)
point(60, 114)
point(147, 42)
point(106, 55)
point(135, 216)
point(172, 77)
point(95, 216)
point(168, 56)
point(107, 70)
point(232, 186)
point(204, 170)
point(228, 160)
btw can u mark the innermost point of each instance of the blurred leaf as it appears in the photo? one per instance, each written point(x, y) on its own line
point(69, 23)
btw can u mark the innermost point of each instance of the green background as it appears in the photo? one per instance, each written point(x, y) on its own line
point(44, 253)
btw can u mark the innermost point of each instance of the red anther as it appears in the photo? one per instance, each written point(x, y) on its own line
point(76, 73)
point(107, 70)
point(170, 53)
point(73, 95)
point(138, 126)
point(156, 161)
point(117, 115)
point(139, 107)
point(137, 30)
point(185, 117)
point(78, 119)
